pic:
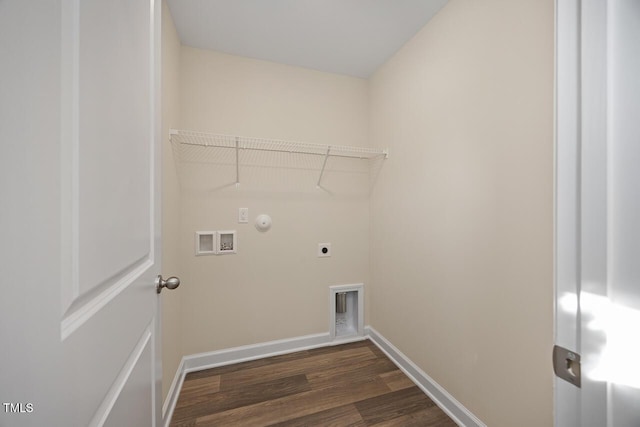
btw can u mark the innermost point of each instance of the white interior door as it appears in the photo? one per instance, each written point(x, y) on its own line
point(80, 213)
point(598, 207)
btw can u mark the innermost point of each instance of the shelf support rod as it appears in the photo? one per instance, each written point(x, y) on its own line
point(326, 156)
point(237, 161)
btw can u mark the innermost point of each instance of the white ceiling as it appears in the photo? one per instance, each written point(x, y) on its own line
point(352, 37)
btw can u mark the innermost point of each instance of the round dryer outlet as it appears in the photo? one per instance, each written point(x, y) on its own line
point(324, 249)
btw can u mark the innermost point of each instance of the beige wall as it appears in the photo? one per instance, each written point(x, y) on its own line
point(274, 287)
point(171, 304)
point(462, 214)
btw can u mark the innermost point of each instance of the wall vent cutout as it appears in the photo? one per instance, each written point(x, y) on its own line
point(346, 311)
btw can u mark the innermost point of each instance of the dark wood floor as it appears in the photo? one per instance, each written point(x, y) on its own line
point(347, 385)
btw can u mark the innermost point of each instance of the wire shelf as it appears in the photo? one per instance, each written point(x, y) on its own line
point(185, 141)
point(187, 137)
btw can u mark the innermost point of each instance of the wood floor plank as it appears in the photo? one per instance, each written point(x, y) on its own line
point(213, 403)
point(309, 364)
point(198, 387)
point(220, 370)
point(341, 416)
point(393, 405)
point(396, 380)
point(432, 417)
point(345, 375)
point(296, 406)
point(378, 363)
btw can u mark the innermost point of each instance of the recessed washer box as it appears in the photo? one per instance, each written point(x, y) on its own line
point(216, 242)
point(227, 242)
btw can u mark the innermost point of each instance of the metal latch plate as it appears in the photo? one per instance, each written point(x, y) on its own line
point(566, 365)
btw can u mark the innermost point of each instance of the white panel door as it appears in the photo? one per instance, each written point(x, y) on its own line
point(598, 210)
point(79, 222)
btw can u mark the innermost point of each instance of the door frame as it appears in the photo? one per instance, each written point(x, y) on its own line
point(580, 196)
point(156, 132)
point(566, 214)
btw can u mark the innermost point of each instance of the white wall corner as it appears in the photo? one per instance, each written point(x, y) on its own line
point(454, 409)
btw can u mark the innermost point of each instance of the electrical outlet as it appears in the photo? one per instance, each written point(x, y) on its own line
point(243, 215)
point(324, 250)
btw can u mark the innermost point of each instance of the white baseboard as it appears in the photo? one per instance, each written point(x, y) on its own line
point(229, 356)
point(458, 413)
point(198, 362)
point(172, 397)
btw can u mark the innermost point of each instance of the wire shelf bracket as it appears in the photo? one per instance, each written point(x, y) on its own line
point(324, 164)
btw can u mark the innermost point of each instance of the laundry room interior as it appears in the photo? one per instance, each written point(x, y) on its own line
point(411, 204)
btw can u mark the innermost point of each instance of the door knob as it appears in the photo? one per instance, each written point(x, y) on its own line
point(170, 283)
